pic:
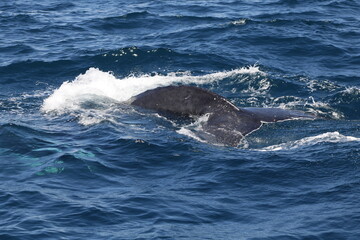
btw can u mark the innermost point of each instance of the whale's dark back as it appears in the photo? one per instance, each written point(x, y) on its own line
point(182, 100)
point(226, 123)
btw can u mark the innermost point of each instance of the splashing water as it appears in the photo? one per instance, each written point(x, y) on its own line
point(95, 84)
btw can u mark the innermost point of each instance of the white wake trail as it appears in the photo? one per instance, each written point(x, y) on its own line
point(329, 137)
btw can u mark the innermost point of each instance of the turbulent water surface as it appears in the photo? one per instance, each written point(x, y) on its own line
point(78, 162)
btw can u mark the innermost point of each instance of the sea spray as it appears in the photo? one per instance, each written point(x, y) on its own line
point(97, 84)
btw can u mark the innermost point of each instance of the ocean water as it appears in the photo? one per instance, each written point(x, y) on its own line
point(78, 162)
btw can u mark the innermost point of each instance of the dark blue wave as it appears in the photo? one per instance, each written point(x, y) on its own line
point(18, 19)
point(133, 20)
point(60, 7)
point(142, 60)
point(17, 49)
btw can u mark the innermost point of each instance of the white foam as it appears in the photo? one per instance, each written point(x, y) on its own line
point(239, 22)
point(96, 84)
point(352, 90)
point(317, 108)
point(189, 133)
point(324, 85)
point(192, 129)
point(329, 137)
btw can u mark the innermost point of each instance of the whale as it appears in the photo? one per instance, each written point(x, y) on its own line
point(225, 123)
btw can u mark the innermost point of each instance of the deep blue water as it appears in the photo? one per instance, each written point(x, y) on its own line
point(78, 162)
